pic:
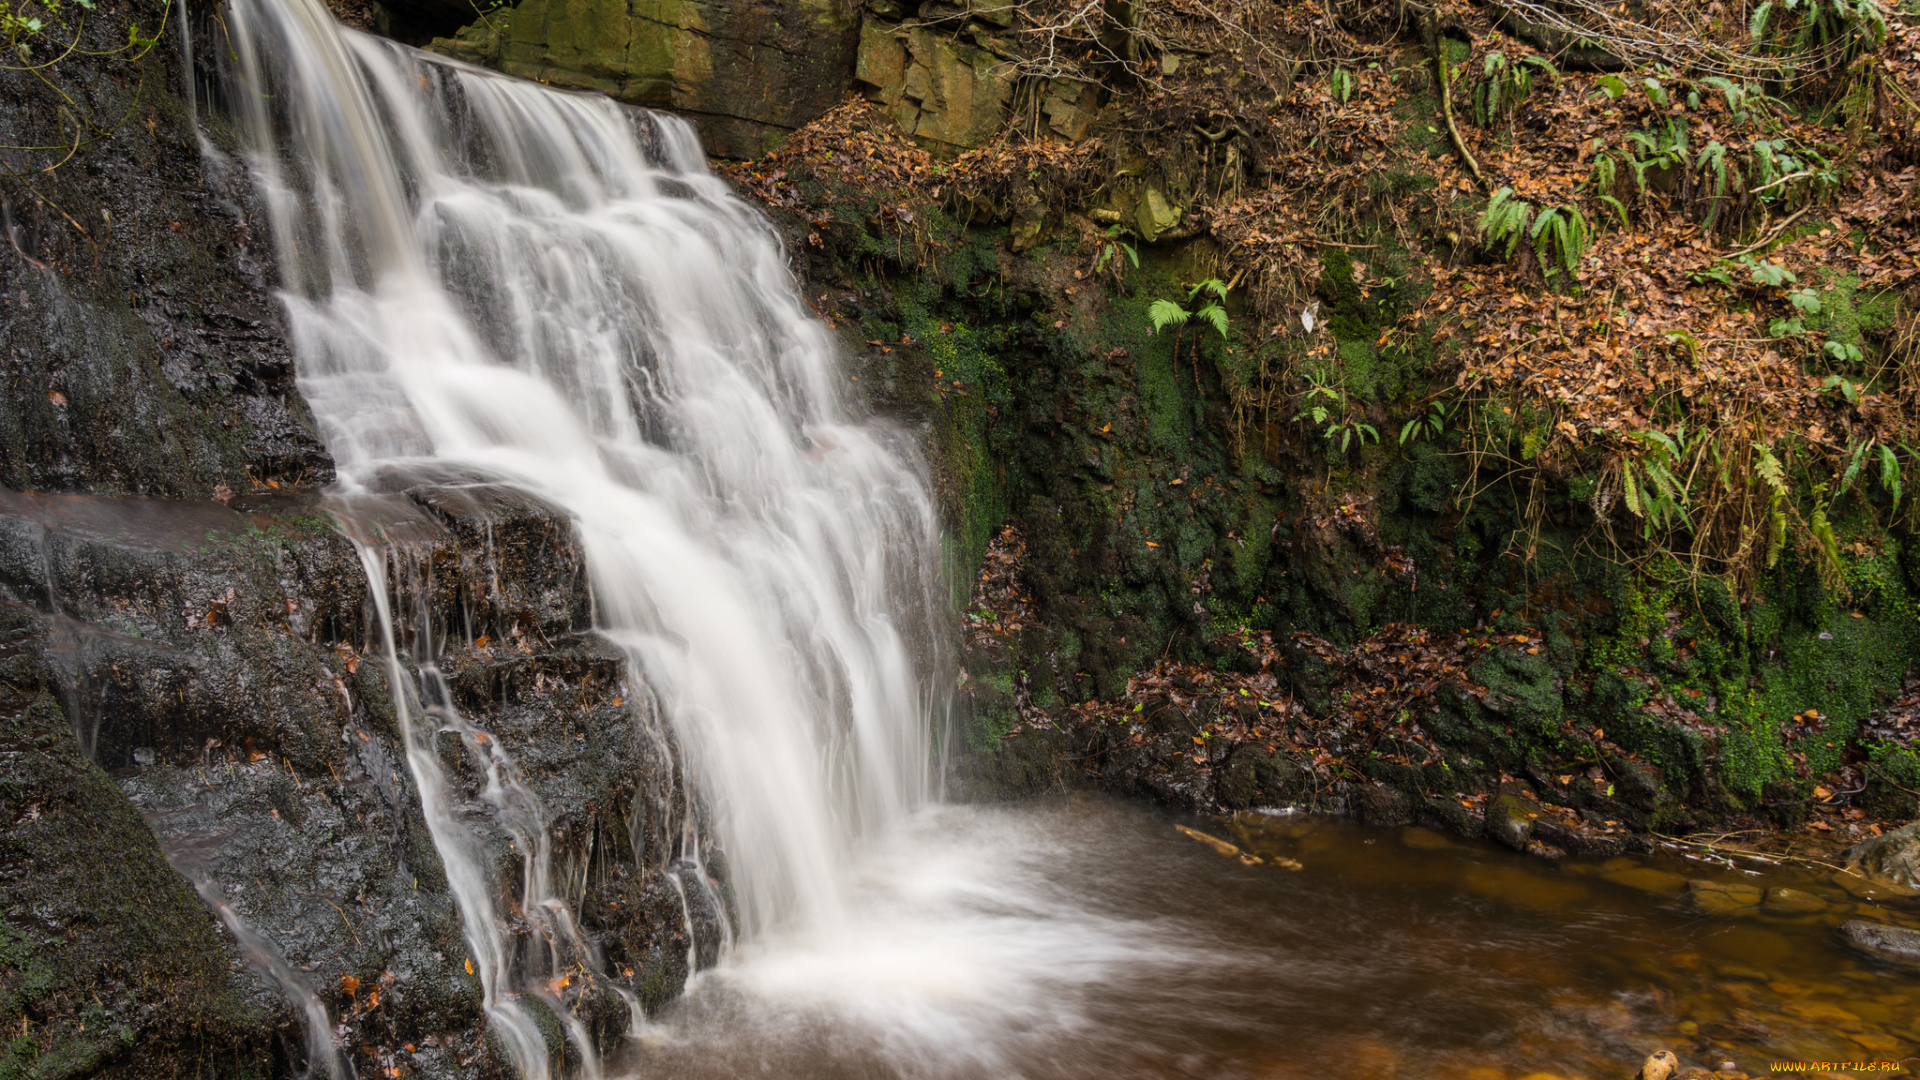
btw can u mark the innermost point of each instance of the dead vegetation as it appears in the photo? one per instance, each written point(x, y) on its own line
point(1662, 241)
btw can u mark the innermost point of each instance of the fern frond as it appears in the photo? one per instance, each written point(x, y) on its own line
point(1164, 313)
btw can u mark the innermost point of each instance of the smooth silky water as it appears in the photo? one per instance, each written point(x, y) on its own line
point(490, 280)
point(1080, 937)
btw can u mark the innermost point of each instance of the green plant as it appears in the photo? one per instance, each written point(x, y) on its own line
point(1651, 490)
point(1744, 100)
point(28, 26)
point(1664, 150)
point(1791, 175)
point(1862, 453)
point(22, 22)
point(1560, 239)
point(1846, 388)
point(1559, 233)
point(1826, 35)
point(1603, 177)
point(1341, 83)
point(1164, 313)
point(1506, 218)
point(1845, 353)
point(1212, 296)
point(1427, 425)
point(1113, 246)
point(1329, 408)
point(1506, 84)
point(1713, 159)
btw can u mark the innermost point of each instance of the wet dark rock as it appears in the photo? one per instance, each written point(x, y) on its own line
point(1510, 820)
point(222, 661)
point(1892, 944)
point(1894, 857)
point(1378, 804)
point(109, 964)
point(144, 349)
point(1441, 812)
point(1255, 777)
point(1584, 839)
point(1723, 898)
point(1036, 761)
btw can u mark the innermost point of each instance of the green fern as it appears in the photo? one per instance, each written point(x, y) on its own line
point(1714, 159)
point(1560, 239)
point(1165, 313)
point(1506, 219)
point(1828, 34)
point(1506, 84)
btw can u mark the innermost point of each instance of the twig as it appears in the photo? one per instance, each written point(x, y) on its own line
point(1446, 106)
point(1777, 232)
point(1771, 856)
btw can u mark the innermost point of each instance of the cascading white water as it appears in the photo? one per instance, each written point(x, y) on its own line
point(549, 289)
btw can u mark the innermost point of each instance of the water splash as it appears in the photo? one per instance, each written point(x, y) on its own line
point(550, 290)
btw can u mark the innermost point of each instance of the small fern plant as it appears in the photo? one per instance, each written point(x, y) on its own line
point(1829, 34)
point(1559, 233)
point(1506, 85)
point(1506, 220)
point(1163, 313)
point(1603, 179)
point(1560, 238)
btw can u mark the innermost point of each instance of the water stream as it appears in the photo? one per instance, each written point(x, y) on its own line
point(545, 289)
point(493, 279)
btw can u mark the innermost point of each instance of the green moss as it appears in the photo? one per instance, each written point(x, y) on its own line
point(1846, 316)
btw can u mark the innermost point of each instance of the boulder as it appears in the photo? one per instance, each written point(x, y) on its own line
point(1894, 857)
point(1892, 944)
point(1723, 898)
point(1661, 1065)
point(940, 91)
point(109, 964)
point(746, 73)
point(1783, 901)
point(1155, 214)
point(1510, 820)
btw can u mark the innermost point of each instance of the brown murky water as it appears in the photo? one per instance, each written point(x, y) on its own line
point(1082, 938)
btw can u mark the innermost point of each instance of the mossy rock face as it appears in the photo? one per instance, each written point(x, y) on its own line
point(109, 964)
point(746, 74)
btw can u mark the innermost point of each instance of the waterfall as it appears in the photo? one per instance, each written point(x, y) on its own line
point(549, 290)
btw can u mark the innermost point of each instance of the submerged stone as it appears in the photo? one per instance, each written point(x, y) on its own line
point(1723, 898)
point(1865, 887)
point(1892, 944)
point(1784, 901)
point(1647, 880)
